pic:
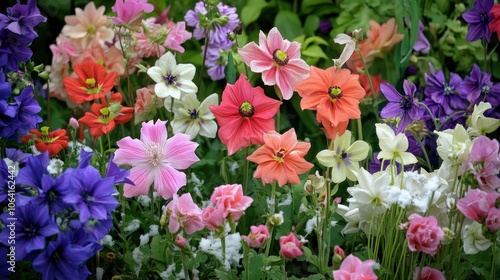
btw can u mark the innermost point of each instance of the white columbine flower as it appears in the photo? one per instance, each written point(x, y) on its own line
point(191, 117)
point(474, 240)
point(344, 158)
point(171, 78)
point(350, 46)
point(453, 145)
point(478, 124)
point(393, 146)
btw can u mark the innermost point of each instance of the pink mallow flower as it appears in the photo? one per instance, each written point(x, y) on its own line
point(277, 59)
point(493, 220)
point(213, 217)
point(476, 204)
point(184, 214)
point(155, 159)
point(352, 268)
point(484, 163)
point(130, 12)
point(428, 274)
point(231, 199)
point(257, 236)
point(424, 234)
point(290, 246)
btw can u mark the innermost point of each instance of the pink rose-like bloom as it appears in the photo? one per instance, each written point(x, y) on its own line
point(130, 12)
point(484, 163)
point(180, 241)
point(177, 36)
point(146, 104)
point(231, 199)
point(424, 234)
point(213, 217)
point(290, 246)
point(277, 59)
point(428, 274)
point(493, 220)
point(184, 214)
point(476, 204)
point(352, 268)
point(258, 235)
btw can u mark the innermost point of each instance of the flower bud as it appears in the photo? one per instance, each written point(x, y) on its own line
point(180, 241)
point(74, 123)
point(448, 236)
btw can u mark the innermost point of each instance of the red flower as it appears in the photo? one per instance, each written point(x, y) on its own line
point(53, 141)
point(92, 82)
point(103, 118)
point(495, 22)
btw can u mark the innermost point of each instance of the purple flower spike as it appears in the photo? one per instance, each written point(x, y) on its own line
point(404, 106)
point(479, 18)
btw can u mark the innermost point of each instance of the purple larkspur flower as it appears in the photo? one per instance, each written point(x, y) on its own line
point(14, 48)
point(443, 92)
point(32, 225)
point(403, 106)
point(215, 63)
point(28, 109)
point(22, 18)
point(479, 18)
point(61, 258)
point(422, 44)
point(478, 87)
point(17, 155)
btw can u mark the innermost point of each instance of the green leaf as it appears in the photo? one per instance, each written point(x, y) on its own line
point(158, 248)
point(311, 25)
point(314, 51)
point(226, 275)
point(252, 11)
point(230, 70)
point(288, 23)
point(256, 263)
point(273, 259)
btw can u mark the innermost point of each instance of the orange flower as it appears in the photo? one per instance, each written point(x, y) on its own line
point(103, 118)
point(92, 82)
point(331, 130)
point(53, 141)
point(333, 93)
point(281, 158)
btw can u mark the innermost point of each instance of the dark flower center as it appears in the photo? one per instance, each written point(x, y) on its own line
point(280, 153)
point(484, 17)
point(343, 155)
point(31, 231)
point(169, 79)
point(193, 114)
point(280, 57)
point(448, 89)
point(335, 92)
point(405, 102)
point(485, 90)
point(246, 109)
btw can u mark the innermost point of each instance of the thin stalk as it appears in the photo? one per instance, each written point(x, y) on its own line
point(246, 259)
point(360, 128)
point(223, 245)
point(485, 46)
point(283, 269)
point(423, 150)
point(184, 265)
point(245, 172)
point(207, 35)
point(367, 73)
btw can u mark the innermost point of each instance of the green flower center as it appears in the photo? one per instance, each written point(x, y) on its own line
point(280, 57)
point(92, 87)
point(246, 110)
point(335, 92)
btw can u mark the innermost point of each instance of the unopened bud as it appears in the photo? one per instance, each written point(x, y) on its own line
point(180, 241)
point(74, 123)
point(448, 236)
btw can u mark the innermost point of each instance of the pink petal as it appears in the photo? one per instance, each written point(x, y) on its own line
point(143, 177)
point(156, 133)
point(180, 151)
point(255, 57)
point(130, 152)
point(168, 181)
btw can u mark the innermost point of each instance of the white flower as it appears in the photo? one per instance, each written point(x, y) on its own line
point(344, 158)
point(474, 240)
point(133, 225)
point(171, 78)
point(478, 124)
point(191, 117)
point(55, 166)
point(453, 145)
point(350, 46)
point(424, 190)
point(393, 147)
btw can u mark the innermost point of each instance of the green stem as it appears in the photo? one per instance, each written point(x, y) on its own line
point(246, 259)
point(184, 264)
point(283, 269)
point(151, 195)
point(485, 46)
point(245, 172)
point(360, 128)
point(368, 77)
point(423, 150)
point(207, 35)
point(223, 245)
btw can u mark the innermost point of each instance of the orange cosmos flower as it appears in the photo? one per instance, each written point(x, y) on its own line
point(281, 158)
point(333, 93)
point(103, 117)
point(53, 141)
point(92, 82)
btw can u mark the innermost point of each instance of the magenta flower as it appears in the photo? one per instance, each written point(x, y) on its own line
point(257, 236)
point(130, 12)
point(353, 268)
point(477, 203)
point(484, 163)
point(428, 274)
point(290, 246)
point(277, 59)
point(424, 234)
point(232, 200)
point(155, 159)
point(184, 214)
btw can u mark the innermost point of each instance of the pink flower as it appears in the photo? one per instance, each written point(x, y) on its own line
point(476, 204)
point(177, 36)
point(428, 274)
point(231, 199)
point(130, 12)
point(290, 246)
point(281, 158)
point(484, 163)
point(352, 269)
point(146, 104)
point(424, 234)
point(180, 241)
point(213, 217)
point(277, 59)
point(109, 57)
point(184, 214)
point(493, 220)
point(338, 251)
point(154, 159)
point(244, 115)
point(258, 235)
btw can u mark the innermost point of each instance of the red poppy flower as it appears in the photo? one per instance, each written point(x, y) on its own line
point(103, 117)
point(53, 141)
point(92, 83)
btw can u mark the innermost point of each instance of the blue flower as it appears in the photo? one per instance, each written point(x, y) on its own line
point(478, 87)
point(14, 48)
point(479, 18)
point(119, 174)
point(5, 177)
point(32, 226)
point(445, 93)
point(21, 19)
point(28, 109)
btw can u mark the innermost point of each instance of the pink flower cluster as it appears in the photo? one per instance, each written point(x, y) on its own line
point(353, 268)
point(424, 234)
point(484, 163)
point(479, 206)
point(229, 203)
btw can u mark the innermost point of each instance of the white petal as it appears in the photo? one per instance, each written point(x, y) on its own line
point(167, 62)
point(212, 99)
point(187, 86)
point(156, 74)
point(326, 158)
point(342, 39)
point(208, 128)
point(185, 71)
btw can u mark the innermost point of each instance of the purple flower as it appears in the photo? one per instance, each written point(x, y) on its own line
point(119, 174)
point(32, 226)
point(21, 19)
point(54, 193)
point(27, 110)
point(5, 176)
point(31, 174)
point(479, 18)
point(61, 258)
point(444, 93)
point(14, 48)
point(215, 62)
point(404, 106)
point(478, 87)
point(93, 196)
point(325, 26)
point(422, 44)
point(17, 155)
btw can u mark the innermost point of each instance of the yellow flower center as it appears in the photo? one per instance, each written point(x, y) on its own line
point(45, 135)
point(91, 29)
point(280, 57)
point(92, 87)
point(279, 155)
point(334, 92)
point(246, 110)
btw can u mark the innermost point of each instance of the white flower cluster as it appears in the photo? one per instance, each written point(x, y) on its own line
point(212, 245)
